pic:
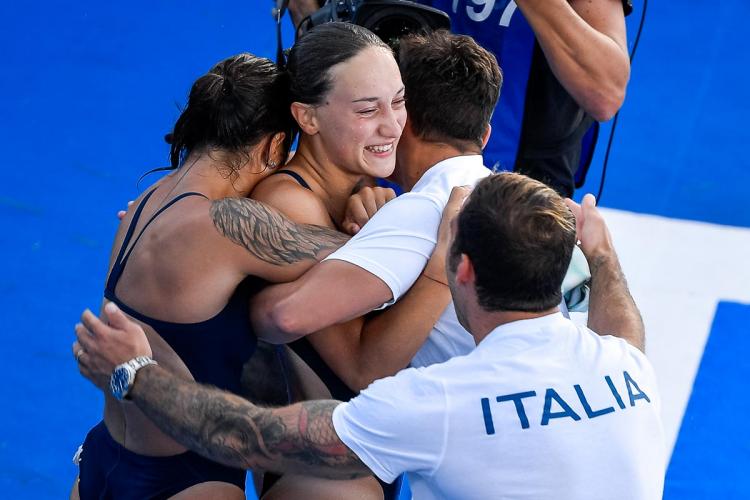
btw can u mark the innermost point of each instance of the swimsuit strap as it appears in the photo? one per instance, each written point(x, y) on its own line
point(119, 265)
point(295, 176)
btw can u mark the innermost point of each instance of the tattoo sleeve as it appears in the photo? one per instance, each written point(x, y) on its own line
point(228, 429)
point(612, 310)
point(269, 235)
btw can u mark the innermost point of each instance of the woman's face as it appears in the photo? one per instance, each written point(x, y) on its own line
point(362, 116)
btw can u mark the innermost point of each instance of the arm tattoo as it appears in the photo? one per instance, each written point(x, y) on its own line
point(269, 235)
point(228, 429)
point(612, 309)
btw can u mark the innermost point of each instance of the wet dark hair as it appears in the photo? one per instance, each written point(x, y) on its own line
point(519, 235)
point(240, 101)
point(317, 51)
point(452, 86)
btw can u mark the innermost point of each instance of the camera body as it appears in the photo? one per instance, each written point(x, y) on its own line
point(389, 19)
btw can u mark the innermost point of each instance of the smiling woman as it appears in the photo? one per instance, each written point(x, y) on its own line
point(348, 100)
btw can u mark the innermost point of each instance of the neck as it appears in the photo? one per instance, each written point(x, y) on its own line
point(209, 174)
point(332, 184)
point(423, 155)
point(485, 322)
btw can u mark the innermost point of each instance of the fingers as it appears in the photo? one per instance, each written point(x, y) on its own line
point(370, 201)
point(589, 201)
point(115, 317)
point(363, 205)
point(78, 350)
point(459, 194)
point(122, 213)
point(351, 228)
point(83, 338)
point(93, 324)
point(575, 208)
point(456, 200)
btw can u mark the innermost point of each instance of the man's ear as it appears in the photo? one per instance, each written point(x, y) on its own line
point(306, 117)
point(465, 271)
point(486, 136)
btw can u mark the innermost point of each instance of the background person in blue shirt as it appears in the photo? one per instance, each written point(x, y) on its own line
point(565, 66)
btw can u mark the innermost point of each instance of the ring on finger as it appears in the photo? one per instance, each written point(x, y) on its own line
point(79, 353)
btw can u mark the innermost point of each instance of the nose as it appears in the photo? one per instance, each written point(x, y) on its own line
point(393, 123)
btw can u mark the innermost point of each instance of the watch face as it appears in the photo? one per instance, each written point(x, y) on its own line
point(119, 383)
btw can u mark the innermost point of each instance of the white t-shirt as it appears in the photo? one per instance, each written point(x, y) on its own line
point(397, 242)
point(541, 409)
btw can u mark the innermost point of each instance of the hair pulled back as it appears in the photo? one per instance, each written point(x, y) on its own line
point(317, 51)
point(232, 108)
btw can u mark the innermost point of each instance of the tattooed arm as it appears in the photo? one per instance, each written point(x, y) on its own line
point(268, 243)
point(612, 310)
point(228, 429)
point(218, 425)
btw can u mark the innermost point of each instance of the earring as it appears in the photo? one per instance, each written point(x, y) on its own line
point(272, 164)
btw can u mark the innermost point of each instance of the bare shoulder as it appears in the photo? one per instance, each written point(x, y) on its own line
point(286, 195)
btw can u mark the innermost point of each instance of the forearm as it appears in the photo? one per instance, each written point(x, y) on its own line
point(612, 310)
point(585, 45)
point(230, 430)
point(330, 293)
point(390, 340)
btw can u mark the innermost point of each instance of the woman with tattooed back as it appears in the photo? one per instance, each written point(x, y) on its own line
point(184, 263)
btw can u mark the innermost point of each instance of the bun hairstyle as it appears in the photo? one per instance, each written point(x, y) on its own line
point(317, 51)
point(232, 108)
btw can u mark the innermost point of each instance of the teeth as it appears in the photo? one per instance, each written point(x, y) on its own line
point(380, 149)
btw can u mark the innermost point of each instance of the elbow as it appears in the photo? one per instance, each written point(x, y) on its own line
point(604, 106)
point(287, 322)
point(605, 100)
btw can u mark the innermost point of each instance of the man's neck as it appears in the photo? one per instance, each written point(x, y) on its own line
point(483, 324)
point(426, 155)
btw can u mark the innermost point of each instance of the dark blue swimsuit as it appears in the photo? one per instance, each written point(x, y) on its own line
point(304, 349)
point(339, 390)
point(214, 351)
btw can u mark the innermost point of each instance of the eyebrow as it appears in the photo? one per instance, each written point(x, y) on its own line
point(375, 99)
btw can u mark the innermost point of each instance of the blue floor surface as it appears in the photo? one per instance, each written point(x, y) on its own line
point(89, 89)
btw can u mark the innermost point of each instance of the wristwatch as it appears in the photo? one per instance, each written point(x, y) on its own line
point(123, 376)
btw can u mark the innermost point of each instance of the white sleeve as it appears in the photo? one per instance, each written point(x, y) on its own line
point(396, 425)
point(397, 242)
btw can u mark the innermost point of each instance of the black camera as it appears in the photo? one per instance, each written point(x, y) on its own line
point(389, 19)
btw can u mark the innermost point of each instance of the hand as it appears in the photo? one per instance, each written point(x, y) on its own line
point(121, 214)
point(435, 268)
point(590, 227)
point(102, 346)
point(362, 206)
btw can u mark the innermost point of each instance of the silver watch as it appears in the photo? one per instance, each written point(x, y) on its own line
point(123, 376)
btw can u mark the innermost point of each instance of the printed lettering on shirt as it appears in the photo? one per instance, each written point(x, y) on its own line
point(480, 10)
point(556, 407)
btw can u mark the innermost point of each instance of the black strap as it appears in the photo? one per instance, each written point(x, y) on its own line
point(122, 257)
point(296, 177)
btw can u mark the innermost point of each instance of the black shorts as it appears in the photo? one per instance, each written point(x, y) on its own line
point(108, 470)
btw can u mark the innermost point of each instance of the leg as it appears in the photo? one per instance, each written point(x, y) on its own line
point(292, 487)
point(211, 489)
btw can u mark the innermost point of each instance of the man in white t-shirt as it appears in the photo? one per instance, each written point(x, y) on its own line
point(452, 85)
point(541, 408)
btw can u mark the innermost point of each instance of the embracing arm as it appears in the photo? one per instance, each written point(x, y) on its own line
point(223, 427)
point(585, 44)
point(379, 345)
point(218, 425)
point(372, 347)
point(267, 243)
